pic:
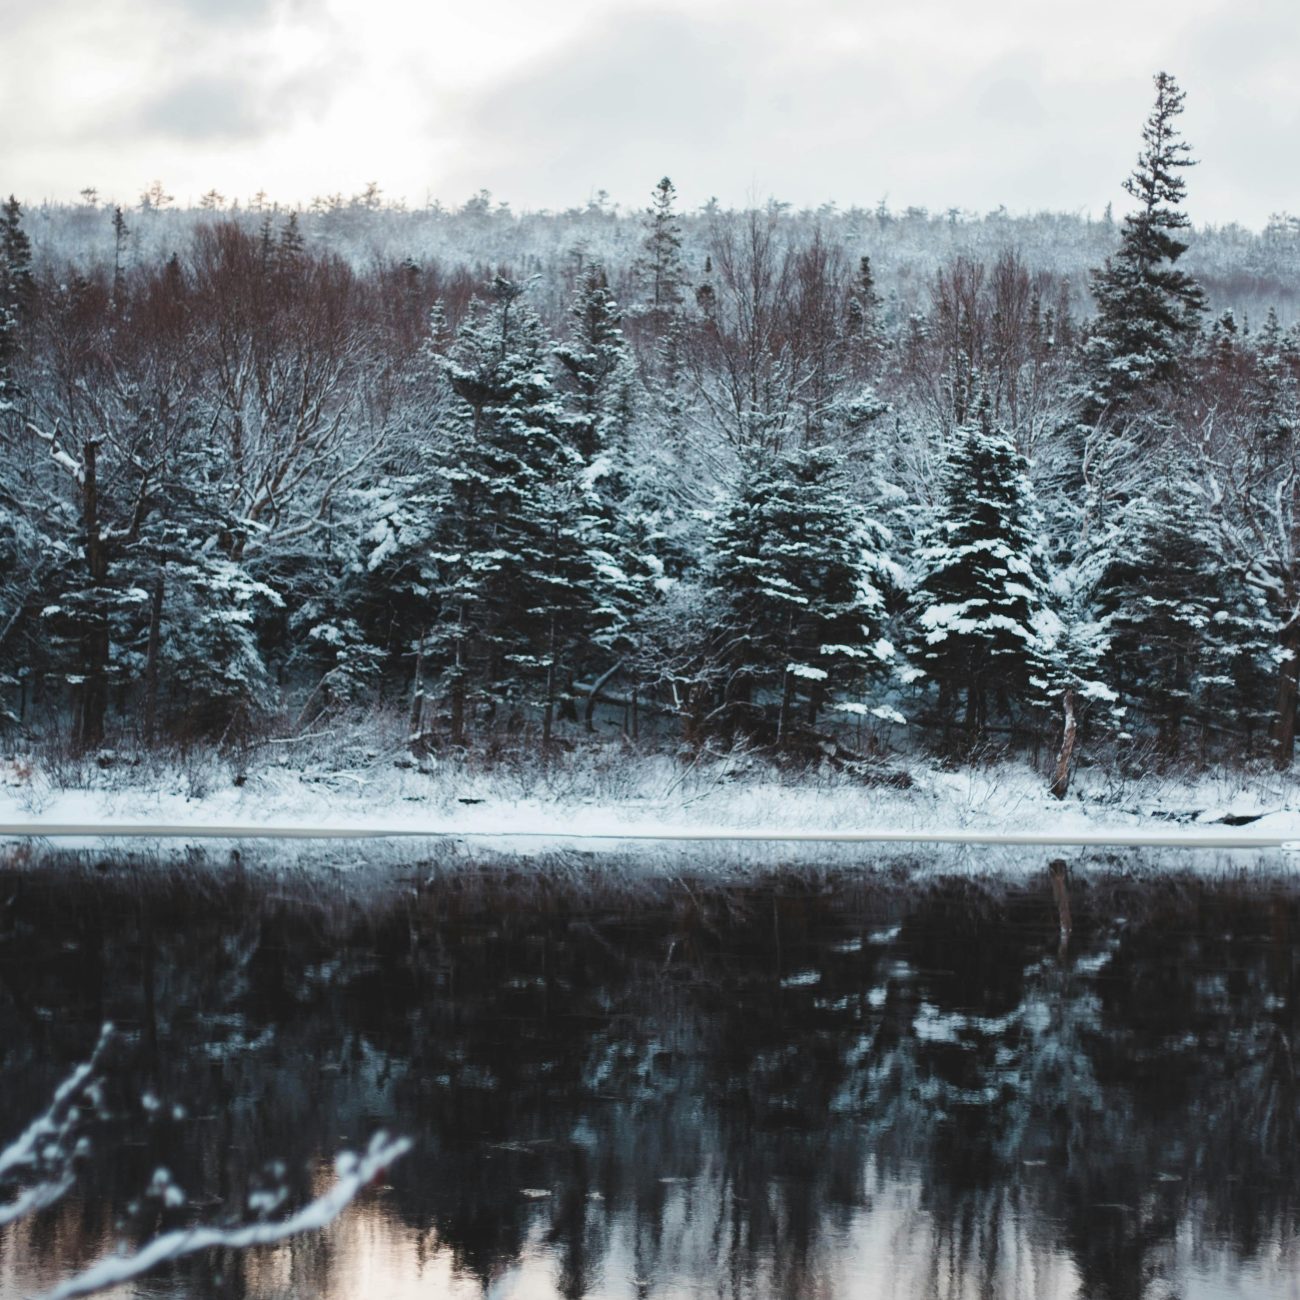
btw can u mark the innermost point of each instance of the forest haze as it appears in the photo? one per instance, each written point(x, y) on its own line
point(790, 477)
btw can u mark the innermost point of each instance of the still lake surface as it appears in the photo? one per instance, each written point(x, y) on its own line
point(893, 1082)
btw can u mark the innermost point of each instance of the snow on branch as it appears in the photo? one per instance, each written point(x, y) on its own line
point(353, 1174)
point(61, 457)
point(36, 1198)
point(45, 1145)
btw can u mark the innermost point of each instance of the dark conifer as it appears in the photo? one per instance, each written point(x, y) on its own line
point(660, 267)
point(981, 591)
point(1148, 310)
point(799, 575)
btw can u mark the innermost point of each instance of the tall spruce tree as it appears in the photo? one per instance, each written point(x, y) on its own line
point(602, 384)
point(16, 289)
point(865, 327)
point(518, 583)
point(291, 245)
point(24, 550)
point(660, 266)
point(1148, 310)
point(799, 576)
point(981, 588)
point(121, 236)
point(15, 250)
point(598, 369)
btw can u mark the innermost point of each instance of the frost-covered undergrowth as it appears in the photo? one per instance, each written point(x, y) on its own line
point(611, 790)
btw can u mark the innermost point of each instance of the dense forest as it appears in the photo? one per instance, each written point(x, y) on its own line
point(830, 482)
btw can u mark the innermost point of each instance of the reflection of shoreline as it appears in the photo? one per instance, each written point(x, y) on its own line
point(775, 1082)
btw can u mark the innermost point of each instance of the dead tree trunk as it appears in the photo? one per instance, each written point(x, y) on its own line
point(1069, 733)
point(787, 700)
point(973, 710)
point(548, 716)
point(415, 724)
point(593, 695)
point(1288, 688)
point(151, 662)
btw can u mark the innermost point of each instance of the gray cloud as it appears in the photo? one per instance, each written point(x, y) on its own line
point(222, 107)
point(714, 104)
point(228, 12)
point(748, 110)
point(1009, 101)
point(937, 102)
point(1243, 111)
point(235, 106)
point(633, 84)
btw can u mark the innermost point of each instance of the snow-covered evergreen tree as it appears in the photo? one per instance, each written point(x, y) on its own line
point(518, 550)
point(157, 607)
point(1148, 310)
point(603, 394)
point(210, 656)
point(980, 587)
point(599, 370)
point(291, 244)
point(1273, 393)
point(1250, 476)
point(865, 324)
point(1187, 638)
point(798, 578)
point(660, 266)
point(16, 289)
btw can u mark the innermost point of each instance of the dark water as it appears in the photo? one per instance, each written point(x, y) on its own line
point(807, 1085)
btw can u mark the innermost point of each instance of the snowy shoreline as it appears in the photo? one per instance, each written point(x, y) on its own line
point(653, 799)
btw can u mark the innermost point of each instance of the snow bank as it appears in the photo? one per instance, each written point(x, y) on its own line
point(657, 796)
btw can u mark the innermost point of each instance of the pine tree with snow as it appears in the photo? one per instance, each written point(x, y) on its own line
point(602, 388)
point(265, 242)
point(519, 586)
point(157, 606)
point(1252, 498)
point(10, 389)
point(865, 326)
point(1068, 682)
point(16, 288)
point(206, 636)
point(15, 250)
point(291, 245)
point(598, 369)
point(798, 576)
point(660, 267)
point(980, 589)
point(121, 236)
point(1148, 310)
point(1188, 640)
point(1273, 394)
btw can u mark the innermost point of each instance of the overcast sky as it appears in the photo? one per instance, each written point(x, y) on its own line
point(966, 103)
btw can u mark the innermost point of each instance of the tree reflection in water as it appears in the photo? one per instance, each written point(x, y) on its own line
point(809, 1084)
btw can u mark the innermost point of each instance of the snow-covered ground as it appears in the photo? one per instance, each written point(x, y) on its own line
point(607, 792)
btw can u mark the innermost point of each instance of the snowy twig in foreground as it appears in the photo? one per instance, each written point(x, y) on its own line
point(44, 1144)
point(353, 1172)
point(37, 1197)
